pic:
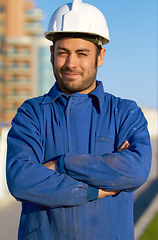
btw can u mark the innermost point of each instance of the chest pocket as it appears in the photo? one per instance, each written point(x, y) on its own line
point(104, 144)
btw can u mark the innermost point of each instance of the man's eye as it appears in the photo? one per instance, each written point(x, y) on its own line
point(83, 54)
point(61, 53)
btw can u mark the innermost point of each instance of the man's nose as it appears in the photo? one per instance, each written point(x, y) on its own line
point(71, 61)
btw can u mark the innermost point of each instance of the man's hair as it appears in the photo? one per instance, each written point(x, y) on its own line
point(88, 37)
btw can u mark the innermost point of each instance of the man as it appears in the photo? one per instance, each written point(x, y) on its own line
point(76, 154)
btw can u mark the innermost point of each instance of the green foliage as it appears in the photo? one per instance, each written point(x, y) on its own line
point(151, 232)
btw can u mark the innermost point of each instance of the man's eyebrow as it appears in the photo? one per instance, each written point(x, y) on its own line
point(83, 50)
point(78, 50)
point(62, 48)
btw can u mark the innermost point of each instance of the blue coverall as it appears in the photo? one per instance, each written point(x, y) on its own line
point(83, 132)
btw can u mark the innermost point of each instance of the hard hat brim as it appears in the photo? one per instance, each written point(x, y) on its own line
point(54, 36)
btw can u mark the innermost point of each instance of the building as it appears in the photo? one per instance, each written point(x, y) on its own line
point(43, 74)
point(23, 49)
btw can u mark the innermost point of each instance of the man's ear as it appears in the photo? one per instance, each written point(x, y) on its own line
point(101, 57)
point(51, 53)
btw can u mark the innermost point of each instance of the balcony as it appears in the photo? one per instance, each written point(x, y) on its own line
point(18, 84)
point(16, 98)
point(34, 28)
point(35, 14)
point(18, 69)
point(17, 55)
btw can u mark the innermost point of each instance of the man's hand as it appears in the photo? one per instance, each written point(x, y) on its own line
point(103, 193)
point(50, 165)
point(124, 146)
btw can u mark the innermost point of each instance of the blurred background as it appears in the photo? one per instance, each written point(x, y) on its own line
point(129, 71)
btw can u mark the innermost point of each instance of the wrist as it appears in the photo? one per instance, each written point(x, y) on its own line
point(92, 193)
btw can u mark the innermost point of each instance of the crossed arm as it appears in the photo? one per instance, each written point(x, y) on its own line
point(102, 193)
point(31, 181)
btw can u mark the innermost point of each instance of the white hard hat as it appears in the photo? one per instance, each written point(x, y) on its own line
point(78, 17)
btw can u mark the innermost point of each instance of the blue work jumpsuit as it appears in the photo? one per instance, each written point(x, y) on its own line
point(83, 132)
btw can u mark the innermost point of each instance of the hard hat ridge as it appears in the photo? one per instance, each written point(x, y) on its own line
point(78, 17)
point(75, 4)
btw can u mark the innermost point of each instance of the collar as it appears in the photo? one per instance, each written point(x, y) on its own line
point(98, 93)
point(52, 95)
point(55, 93)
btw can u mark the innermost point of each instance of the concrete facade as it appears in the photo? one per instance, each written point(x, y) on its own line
point(21, 32)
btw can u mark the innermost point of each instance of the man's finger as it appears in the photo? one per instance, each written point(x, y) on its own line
point(124, 146)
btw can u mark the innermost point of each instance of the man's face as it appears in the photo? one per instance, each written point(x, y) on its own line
point(74, 65)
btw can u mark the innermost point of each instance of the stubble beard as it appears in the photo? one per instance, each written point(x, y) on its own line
point(70, 86)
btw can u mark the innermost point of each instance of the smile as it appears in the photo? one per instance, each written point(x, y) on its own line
point(71, 75)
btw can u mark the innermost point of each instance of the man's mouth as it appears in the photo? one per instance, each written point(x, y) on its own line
point(71, 75)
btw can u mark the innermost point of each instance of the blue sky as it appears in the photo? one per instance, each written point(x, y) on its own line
point(130, 66)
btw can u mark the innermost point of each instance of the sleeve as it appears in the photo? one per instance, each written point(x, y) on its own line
point(27, 178)
point(126, 170)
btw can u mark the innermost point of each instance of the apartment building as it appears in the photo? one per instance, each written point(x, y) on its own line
point(23, 50)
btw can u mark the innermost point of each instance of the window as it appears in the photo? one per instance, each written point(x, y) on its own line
point(24, 79)
point(14, 64)
point(14, 107)
point(14, 93)
point(1, 64)
point(1, 38)
point(1, 8)
point(14, 79)
point(26, 65)
point(1, 23)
